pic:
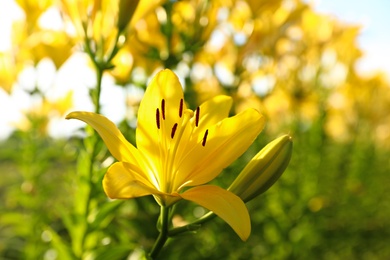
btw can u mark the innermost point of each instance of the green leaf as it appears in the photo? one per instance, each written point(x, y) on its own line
point(63, 249)
point(115, 252)
point(105, 213)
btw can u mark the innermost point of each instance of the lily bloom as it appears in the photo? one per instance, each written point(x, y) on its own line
point(179, 150)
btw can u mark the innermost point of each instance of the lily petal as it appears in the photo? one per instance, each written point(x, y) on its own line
point(224, 204)
point(208, 114)
point(211, 112)
point(116, 143)
point(164, 86)
point(226, 141)
point(160, 109)
point(125, 181)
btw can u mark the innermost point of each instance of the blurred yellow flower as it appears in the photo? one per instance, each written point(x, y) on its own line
point(123, 65)
point(317, 27)
point(94, 20)
point(143, 9)
point(63, 104)
point(54, 45)
point(33, 9)
point(102, 20)
point(179, 148)
point(8, 71)
point(38, 117)
point(104, 26)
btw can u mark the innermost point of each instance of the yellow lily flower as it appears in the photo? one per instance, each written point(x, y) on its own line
point(178, 148)
point(8, 71)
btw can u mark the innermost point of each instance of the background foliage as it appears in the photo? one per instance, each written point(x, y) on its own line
point(280, 57)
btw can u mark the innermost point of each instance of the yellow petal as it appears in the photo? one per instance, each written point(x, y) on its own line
point(125, 181)
point(8, 71)
point(212, 111)
point(208, 114)
point(224, 204)
point(159, 111)
point(116, 143)
point(164, 86)
point(144, 7)
point(224, 143)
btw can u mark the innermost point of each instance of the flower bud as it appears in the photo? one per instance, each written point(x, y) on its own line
point(263, 170)
point(126, 11)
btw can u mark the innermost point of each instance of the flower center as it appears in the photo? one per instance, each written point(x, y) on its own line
point(161, 115)
point(174, 132)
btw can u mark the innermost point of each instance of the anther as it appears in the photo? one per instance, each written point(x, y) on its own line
point(158, 118)
point(181, 108)
point(197, 116)
point(173, 130)
point(163, 108)
point(205, 137)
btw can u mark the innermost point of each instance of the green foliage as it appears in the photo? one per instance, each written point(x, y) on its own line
point(331, 203)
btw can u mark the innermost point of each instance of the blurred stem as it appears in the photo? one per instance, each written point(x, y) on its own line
point(192, 226)
point(114, 50)
point(101, 64)
point(99, 77)
point(163, 236)
point(92, 157)
point(165, 233)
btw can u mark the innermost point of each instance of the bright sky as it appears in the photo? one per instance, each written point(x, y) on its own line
point(374, 41)
point(374, 15)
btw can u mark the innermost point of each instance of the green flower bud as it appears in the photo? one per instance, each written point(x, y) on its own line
point(263, 170)
point(126, 11)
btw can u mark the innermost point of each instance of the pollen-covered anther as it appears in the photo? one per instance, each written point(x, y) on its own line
point(158, 118)
point(205, 137)
point(163, 108)
point(173, 130)
point(181, 108)
point(197, 116)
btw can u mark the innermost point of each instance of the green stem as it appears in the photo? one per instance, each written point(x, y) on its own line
point(114, 50)
point(101, 64)
point(192, 226)
point(94, 152)
point(99, 68)
point(99, 77)
point(163, 236)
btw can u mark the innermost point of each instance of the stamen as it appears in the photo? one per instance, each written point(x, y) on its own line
point(197, 116)
point(181, 108)
point(163, 108)
point(205, 137)
point(158, 118)
point(173, 130)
